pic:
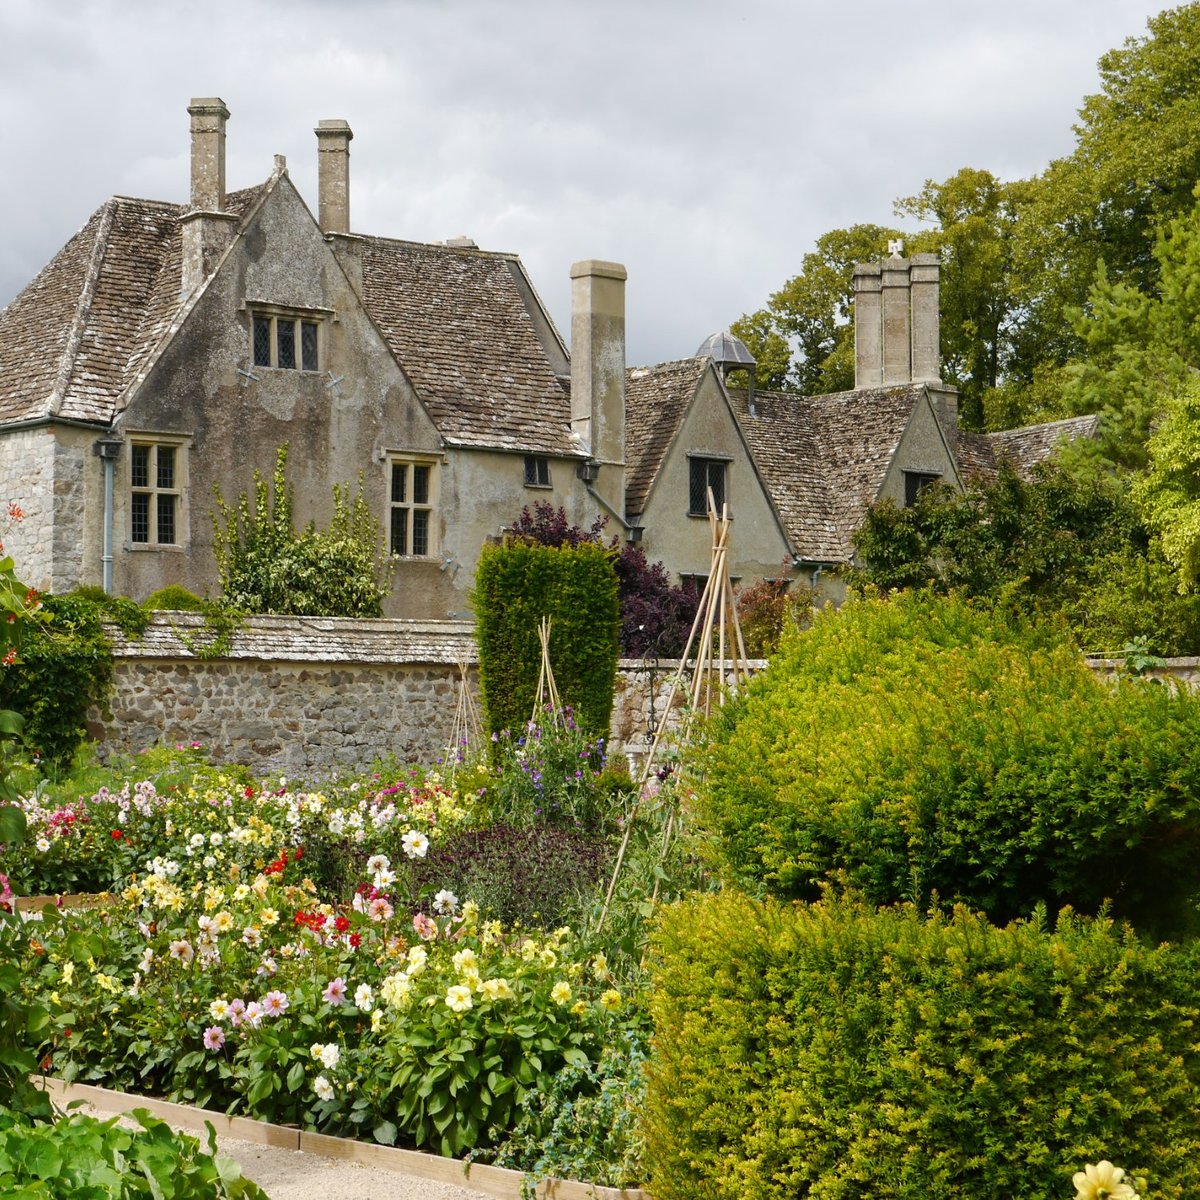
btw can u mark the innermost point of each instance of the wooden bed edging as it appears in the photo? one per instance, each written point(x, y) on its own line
point(498, 1182)
point(64, 900)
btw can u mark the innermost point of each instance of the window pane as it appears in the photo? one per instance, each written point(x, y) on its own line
point(420, 485)
point(399, 539)
point(399, 482)
point(262, 341)
point(308, 345)
point(139, 469)
point(165, 533)
point(166, 467)
point(140, 517)
point(698, 481)
point(420, 530)
point(285, 338)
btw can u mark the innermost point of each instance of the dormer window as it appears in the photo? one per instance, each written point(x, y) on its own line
point(286, 340)
point(915, 482)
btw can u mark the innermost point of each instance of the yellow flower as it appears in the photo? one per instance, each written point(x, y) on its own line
point(240, 892)
point(610, 1001)
point(560, 993)
point(496, 989)
point(579, 1008)
point(133, 893)
point(547, 957)
point(68, 972)
point(1102, 1181)
point(600, 966)
point(223, 921)
point(268, 916)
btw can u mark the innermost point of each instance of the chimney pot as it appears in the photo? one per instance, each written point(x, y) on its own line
point(333, 175)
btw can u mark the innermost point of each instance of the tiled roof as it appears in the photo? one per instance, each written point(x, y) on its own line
point(824, 458)
point(459, 326)
point(456, 319)
point(74, 339)
point(655, 400)
point(1033, 444)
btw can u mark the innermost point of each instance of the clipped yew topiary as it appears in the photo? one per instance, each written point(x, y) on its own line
point(516, 585)
point(919, 747)
point(836, 1051)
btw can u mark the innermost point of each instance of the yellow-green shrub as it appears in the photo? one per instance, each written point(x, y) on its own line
point(837, 1051)
point(921, 746)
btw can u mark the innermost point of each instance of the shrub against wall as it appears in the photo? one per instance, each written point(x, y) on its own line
point(516, 585)
point(923, 746)
point(838, 1052)
point(267, 566)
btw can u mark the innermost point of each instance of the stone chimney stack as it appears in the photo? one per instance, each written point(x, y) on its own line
point(868, 325)
point(598, 375)
point(896, 321)
point(925, 277)
point(207, 228)
point(333, 176)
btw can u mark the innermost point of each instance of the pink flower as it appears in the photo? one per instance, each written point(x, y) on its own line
point(236, 1008)
point(254, 1014)
point(275, 1004)
point(214, 1037)
point(426, 927)
point(335, 993)
point(379, 909)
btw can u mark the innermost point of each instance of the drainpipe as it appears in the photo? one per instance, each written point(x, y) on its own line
point(108, 451)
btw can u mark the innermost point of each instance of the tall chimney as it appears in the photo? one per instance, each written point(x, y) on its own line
point(333, 176)
point(208, 153)
point(598, 373)
point(897, 329)
point(925, 274)
point(207, 228)
point(868, 325)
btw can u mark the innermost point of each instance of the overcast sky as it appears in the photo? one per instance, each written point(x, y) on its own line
point(704, 145)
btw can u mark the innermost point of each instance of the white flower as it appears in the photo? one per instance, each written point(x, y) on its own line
point(1102, 1181)
point(458, 998)
point(209, 862)
point(219, 1009)
point(396, 989)
point(415, 844)
point(416, 959)
point(445, 902)
point(215, 839)
point(43, 844)
point(377, 863)
point(384, 879)
point(196, 840)
point(364, 998)
point(323, 1088)
point(465, 960)
point(330, 1055)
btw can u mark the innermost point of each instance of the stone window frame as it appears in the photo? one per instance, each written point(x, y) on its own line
point(702, 469)
point(412, 507)
point(272, 315)
point(156, 491)
point(537, 471)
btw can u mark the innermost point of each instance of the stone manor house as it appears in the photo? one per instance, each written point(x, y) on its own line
point(169, 349)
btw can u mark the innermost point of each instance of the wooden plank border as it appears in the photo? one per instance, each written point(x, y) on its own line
point(497, 1182)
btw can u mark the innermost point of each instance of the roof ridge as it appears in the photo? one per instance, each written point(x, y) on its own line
point(87, 293)
point(478, 250)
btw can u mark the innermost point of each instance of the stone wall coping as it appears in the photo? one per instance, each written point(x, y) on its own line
point(1168, 664)
point(304, 639)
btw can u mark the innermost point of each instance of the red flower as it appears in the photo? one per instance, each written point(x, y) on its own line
point(355, 940)
point(249, 791)
point(299, 854)
point(117, 835)
point(341, 924)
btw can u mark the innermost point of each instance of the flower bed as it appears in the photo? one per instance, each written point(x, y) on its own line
point(291, 954)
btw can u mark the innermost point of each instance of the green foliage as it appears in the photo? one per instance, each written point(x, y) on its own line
point(925, 748)
point(266, 566)
point(583, 1122)
point(516, 585)
point(174, 598)
point(835, 1051)
point(1064, 542)
point(1168, 494)
point(66, 667)
point(82, 1158)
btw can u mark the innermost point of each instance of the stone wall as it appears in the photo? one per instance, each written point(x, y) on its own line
point(303, 696)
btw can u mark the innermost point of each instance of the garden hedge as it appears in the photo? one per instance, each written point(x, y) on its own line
point(841, 1052)
point(920, 747)
point(516, 585)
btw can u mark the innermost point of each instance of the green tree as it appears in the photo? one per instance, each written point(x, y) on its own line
point(1141, 343)
point(1135, 162)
